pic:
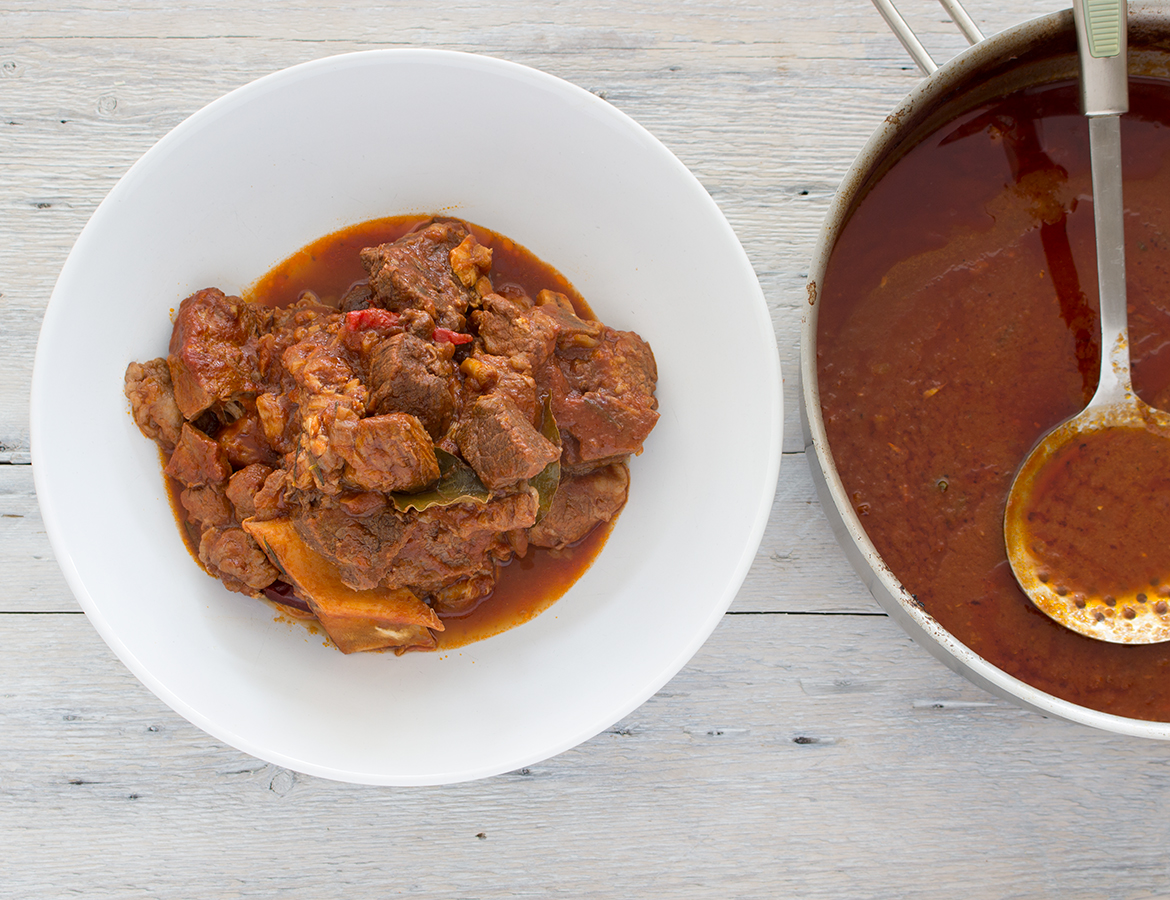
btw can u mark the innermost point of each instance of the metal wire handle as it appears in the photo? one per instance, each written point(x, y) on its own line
point(909, 39)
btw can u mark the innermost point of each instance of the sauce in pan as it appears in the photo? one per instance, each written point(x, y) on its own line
point(957, 325)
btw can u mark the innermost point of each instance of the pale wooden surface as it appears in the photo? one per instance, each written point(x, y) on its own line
point(809, 750)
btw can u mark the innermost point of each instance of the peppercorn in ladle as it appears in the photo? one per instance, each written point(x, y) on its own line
point(1087, 523)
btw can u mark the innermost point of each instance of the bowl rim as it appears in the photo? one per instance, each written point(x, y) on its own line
point(846, 525)
point(536, 78)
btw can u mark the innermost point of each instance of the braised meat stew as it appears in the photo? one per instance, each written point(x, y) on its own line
point(375, 458)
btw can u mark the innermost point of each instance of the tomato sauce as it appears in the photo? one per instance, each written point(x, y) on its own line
point(328, 268)
point(957, 325)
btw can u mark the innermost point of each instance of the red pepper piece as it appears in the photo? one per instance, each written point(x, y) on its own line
point(447, 336)
point(364, 319)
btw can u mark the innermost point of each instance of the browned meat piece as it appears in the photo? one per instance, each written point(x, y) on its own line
point(415, 271)
point(448, 543)
point(243, 487)
point(622, 363)
point(602, 427)
point(424, 552)
point(198, 459)
point(213, 350)
point(365, 503)
point(461, 597)
point(581, 503)
point(386, 453)
point(152, 402)
point(233, 556)
point(512, 327)
point(354, 544)
point(573, 332)
point(245, 443)
point(284, 327)
point(500, 442)
point(275, 414)
point(357, 297)
point(484, 374)
point(270, 502)
point(328, 398)
point(319, 366)
point(413, 376)
point(603, 399)
point(206, 504)
point(418, 323)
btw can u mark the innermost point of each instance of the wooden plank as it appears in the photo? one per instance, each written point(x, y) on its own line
point(30, 580)
point(795, 756)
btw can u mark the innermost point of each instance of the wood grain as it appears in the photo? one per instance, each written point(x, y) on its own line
point(768, 767)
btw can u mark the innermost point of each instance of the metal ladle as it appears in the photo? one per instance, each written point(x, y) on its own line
point(1135, 614)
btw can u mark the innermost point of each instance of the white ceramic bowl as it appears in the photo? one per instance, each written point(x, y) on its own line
point(303, 152)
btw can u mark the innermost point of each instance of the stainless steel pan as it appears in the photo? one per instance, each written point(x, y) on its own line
point(1036, 52)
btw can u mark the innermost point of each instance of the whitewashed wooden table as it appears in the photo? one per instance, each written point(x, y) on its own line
point(810, 749)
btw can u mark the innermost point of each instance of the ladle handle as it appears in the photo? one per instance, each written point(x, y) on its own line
point(1102, 44)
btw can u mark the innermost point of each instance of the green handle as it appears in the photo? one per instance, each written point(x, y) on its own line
point(1104, 20)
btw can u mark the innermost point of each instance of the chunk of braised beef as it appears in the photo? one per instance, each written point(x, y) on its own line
point(604, 398)
point(213, 350)
point(244, 441)
point(414, 376)
point(198, 459)
point(243, 487)
point(462, 597)
point(237, 559)
point(580, 504)
point(415, 272)
point(152, 402)
point(271, 501)
point(326, 397)
point(512, 327)
point(418, 323)
point(283, 328)
point(207, 504)
point(275, 411)
point(483, 374)
point(573, 332)
point(501, 443)
point(362, 503)
point(448, 543)
point(317, 365)
point(425, 551)
point(357, 297)
point(621, 363)
point(392, 452)
point(355, 544)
